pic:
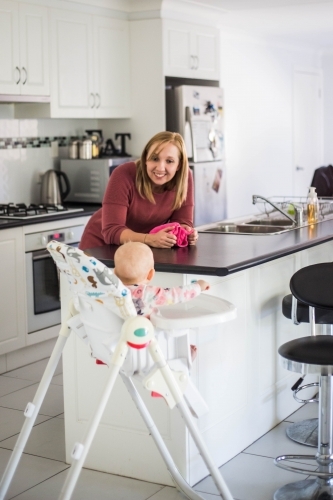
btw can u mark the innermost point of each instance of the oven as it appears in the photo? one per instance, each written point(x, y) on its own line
point(42, 280)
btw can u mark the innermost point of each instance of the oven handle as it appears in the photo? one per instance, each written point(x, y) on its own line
point(40, 256)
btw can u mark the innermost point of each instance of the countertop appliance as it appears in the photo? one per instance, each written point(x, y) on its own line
point(197, 114)
point(21, 211)
point(89, 178)
point(52, 190)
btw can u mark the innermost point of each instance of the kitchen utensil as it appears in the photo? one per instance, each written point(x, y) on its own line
point(74, 149)
point(96, 137)
point(52, 192)
point(85, 149)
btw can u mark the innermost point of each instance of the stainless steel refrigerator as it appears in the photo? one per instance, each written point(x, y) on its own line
point(197, 114)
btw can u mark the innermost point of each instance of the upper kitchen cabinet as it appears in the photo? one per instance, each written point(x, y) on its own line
point(24, 66)
point(191, 51)
point(90, 66)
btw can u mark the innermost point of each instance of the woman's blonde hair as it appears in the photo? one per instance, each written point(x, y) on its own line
point(180, 180)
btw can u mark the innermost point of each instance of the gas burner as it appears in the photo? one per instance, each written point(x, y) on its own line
point(22, 211)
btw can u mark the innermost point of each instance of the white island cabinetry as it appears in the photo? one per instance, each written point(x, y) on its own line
point(236, 371)
point(12, 292)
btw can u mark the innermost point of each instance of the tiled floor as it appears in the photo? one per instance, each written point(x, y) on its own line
point(251, 475)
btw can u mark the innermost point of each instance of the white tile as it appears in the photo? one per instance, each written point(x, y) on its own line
point(8, 385)
point(52, 405)
point(28, 128)
point(58, 379)
point(94, 485)
point(46, 440)
point(251, 477)
point(34, 371)
point(9, 128)
point(31, 471)
point(168, 493)
point(11, 422)
point(309, 410)
point(276, 443)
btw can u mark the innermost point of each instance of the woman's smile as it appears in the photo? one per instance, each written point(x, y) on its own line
point(162, 164)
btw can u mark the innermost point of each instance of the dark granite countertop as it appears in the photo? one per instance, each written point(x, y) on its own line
point(88, 209)
point(222, 254)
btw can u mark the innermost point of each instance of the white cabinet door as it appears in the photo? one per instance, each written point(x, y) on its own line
point(9, 48)
point(112, 68)
point(205, 46)
point(191, 51)
point(34, 55)
point(24, 49)
point(72, 94)
point(12, 291)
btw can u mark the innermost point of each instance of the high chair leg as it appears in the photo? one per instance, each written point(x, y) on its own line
point(158, 357)
point(178, 479)
point(32, 410)
point(80, 450)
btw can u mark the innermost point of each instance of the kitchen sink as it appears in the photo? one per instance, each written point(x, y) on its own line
point(243, 229)
point(271, 222)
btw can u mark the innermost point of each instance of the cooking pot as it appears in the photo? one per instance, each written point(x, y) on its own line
point(52, 192)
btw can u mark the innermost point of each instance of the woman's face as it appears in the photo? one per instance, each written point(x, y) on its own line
point(162, 165)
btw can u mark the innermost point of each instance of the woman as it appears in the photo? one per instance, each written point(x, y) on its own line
point(157, 189)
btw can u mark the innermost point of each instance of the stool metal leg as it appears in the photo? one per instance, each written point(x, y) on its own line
point(320, 488)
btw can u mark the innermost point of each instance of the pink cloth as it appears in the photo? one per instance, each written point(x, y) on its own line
point(179, 231)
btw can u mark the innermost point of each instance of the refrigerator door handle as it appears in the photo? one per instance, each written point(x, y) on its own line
point(189, 125)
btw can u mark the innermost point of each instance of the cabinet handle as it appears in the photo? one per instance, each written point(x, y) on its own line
point(299, 168)
point(93, 96)
point(26, 76)
point(191, 62)
point(99, 101)
point(19, 72)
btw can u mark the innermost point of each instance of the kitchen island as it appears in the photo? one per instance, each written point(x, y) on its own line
point(236, 370)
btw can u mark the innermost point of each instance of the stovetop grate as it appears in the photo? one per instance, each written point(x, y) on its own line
point(23, 211)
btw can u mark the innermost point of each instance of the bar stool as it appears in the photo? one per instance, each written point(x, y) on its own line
point(312, 355)
point(315, 278)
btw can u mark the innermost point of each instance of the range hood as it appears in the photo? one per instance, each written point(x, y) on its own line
point(12, 99)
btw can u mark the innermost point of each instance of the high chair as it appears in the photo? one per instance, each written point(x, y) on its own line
point(103, 315)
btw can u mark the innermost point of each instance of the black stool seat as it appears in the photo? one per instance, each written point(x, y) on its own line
point(323, 316)
point(313, 285)
point(309, 350)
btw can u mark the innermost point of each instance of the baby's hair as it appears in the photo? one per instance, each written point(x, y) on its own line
point(132, 262)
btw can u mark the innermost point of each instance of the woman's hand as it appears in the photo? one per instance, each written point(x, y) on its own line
point(191, 238)
point(162, 239)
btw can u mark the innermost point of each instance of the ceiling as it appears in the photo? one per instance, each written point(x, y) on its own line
point(303, 22)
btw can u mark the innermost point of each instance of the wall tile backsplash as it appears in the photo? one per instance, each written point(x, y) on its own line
point(25, 153)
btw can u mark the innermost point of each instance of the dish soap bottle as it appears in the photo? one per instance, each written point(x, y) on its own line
point(312, 206)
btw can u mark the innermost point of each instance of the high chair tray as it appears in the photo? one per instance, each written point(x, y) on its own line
point(204, 310)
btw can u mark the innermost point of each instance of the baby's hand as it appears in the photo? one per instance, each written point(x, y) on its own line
point(203, 285)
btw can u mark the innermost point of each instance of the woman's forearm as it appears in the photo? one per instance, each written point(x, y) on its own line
point(129, 235)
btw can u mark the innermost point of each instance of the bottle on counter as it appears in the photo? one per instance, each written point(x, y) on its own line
point(312, 206)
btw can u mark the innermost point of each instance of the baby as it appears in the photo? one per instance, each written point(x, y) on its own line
point(134, 266)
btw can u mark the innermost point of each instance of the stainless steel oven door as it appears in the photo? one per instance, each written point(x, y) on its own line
point(43, 304)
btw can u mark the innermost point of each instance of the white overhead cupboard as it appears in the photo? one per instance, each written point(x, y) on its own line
point(190, 50)
point(24, 68)
point(90, 62)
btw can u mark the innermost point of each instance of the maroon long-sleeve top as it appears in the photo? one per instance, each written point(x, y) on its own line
point(123, 208)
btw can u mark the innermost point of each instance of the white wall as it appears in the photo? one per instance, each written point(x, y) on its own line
point(327, 65)
point(258, 83)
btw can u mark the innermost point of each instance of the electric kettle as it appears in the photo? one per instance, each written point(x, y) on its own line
point(52, 192)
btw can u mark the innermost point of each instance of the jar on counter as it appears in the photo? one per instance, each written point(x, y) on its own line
point(73, 149)
point(85, 149)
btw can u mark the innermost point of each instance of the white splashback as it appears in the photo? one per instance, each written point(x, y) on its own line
point(20, 167)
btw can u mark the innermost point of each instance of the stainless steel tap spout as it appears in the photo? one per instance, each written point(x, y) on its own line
point(297, 221)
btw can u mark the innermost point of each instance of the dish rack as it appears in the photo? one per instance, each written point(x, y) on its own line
point(285, 202)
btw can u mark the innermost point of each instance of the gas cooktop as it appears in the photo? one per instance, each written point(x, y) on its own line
point(21, 211)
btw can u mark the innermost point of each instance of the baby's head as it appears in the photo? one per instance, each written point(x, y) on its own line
point(134, 263)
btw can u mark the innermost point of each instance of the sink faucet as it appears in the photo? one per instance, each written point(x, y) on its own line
point(298, 221)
